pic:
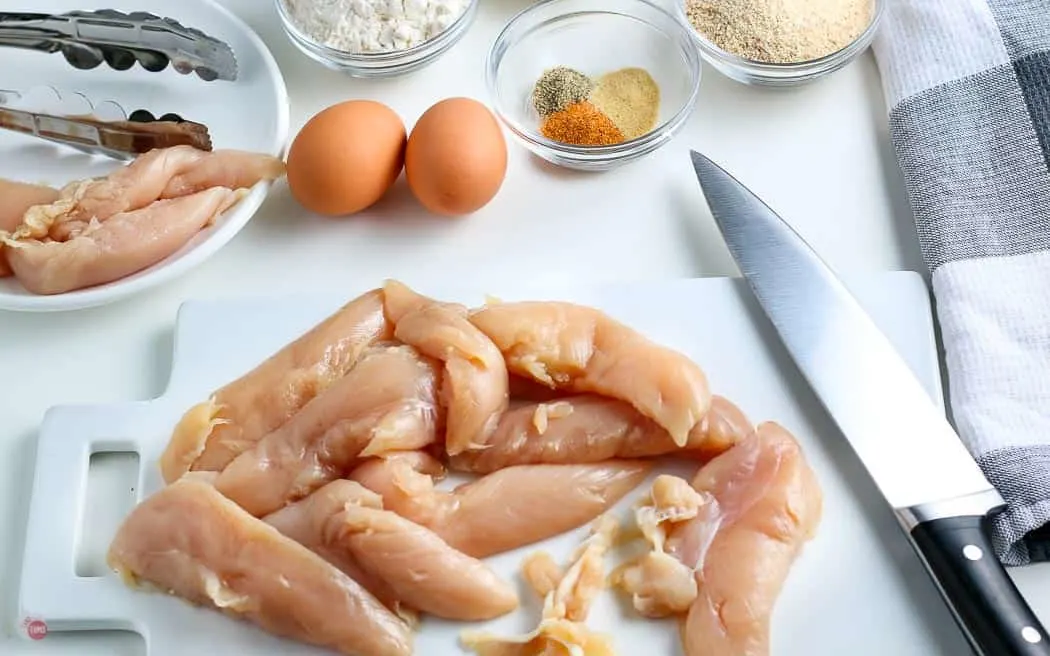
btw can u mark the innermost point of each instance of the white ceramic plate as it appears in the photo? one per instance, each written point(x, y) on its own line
point(250, 113)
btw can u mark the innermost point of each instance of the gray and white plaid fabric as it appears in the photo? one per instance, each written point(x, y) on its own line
point(968, 87)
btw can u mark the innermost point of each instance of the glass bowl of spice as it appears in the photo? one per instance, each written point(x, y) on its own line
point(593, 84)
point(781, 42)
point(375, 38)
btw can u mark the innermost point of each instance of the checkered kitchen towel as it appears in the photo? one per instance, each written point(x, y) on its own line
point(968, 87)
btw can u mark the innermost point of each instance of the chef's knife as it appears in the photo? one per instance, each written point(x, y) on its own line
point(939, 494)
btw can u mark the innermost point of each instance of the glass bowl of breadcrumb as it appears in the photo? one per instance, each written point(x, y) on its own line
point(780, 42)
point(593, 84)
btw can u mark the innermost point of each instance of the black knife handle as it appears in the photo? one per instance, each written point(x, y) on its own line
point(986, 603)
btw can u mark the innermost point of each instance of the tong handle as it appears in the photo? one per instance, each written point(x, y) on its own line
point(120, 140)
point(97, 30)
point(84, 137)
point(89, 38)
point(23, 30)
point(21, 16)
point(26, 42)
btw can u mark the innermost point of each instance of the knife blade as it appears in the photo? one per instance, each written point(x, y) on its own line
point(941, 498)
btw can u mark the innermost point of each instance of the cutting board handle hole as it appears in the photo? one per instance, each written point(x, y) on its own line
point(112, 491)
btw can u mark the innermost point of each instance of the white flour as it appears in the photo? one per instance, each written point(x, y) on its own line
point(374, 25)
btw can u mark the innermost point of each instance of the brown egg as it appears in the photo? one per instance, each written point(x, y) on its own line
point(456, 157)
point(346, 157)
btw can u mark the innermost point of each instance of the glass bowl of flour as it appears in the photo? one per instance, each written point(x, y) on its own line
point(375, 38)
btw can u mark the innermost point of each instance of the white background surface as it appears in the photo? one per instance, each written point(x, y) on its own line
point(819, 155)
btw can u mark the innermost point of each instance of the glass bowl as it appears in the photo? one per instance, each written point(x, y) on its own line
point(749, 71)
point(378, 64)
point(594, 37)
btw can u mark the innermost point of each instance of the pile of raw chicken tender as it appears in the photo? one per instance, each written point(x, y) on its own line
point(100, 230)
point(308, 489)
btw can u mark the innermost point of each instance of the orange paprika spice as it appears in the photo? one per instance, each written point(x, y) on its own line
point(581, 124)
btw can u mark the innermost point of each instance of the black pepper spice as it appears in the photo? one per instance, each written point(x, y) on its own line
point(558, 88)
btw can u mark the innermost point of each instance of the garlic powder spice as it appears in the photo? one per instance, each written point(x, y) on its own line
point(780, 31)
point(631, 98)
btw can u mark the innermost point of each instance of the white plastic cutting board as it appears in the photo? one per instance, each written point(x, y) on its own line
point(857, 589)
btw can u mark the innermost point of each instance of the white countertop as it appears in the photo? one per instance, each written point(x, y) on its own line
point(820, 155)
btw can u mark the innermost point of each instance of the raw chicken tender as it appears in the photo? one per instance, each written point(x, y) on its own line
point(589, 429)
point(580, 349)
point(127, 188)
point(770, 504)
point(504, 510)
point(309, 522)
point(671, 501)
point(190, 541)
point(541, 573)
point(125, 243)
point(722, 548)
point(659, 584)
point(406, 562)
point(584, 579)
point(145, 180)
point(565, 607)
point(526, 389)
point(15, 199)
point(211, 434)
point(551, 638)
point(235, 169)
point(475, 383)
point(387, 402)
point(423, 570)
point(99, 230)
point(399, 299)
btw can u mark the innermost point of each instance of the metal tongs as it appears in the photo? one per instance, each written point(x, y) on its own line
point(98, 129)
point(87, 39)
